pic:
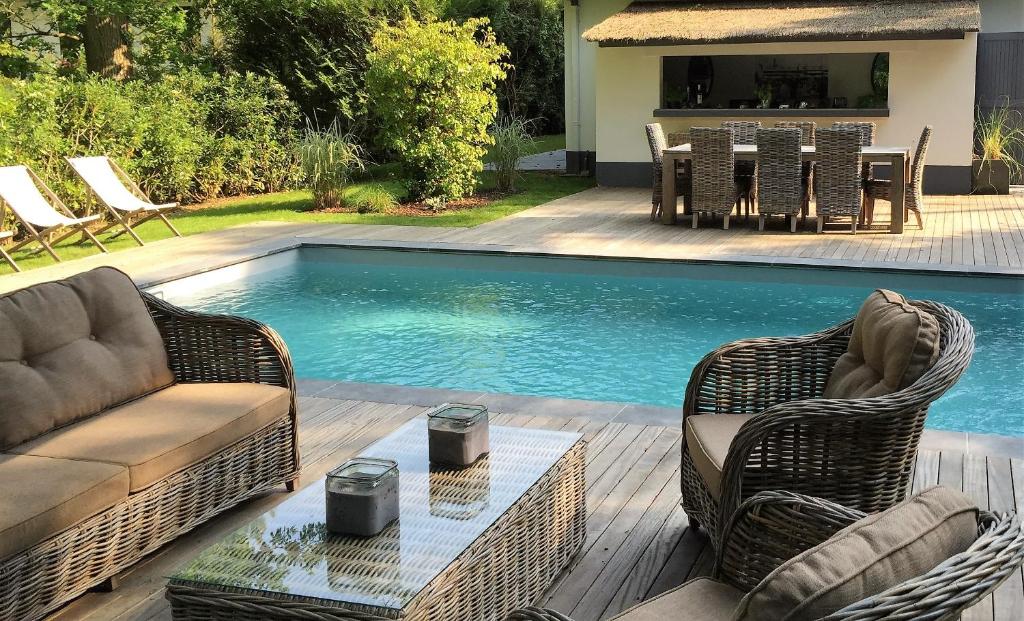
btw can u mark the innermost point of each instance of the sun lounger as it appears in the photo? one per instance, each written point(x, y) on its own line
point(45, 218)
point(3, 253)
point(127, 203)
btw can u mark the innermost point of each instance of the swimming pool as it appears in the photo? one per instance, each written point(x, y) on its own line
point(583, 329)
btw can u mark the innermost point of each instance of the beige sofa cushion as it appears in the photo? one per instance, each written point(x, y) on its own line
point(868, 557)
point(892, 345)
point(708, 437)
point(166, 431)
point(42, 497)
point(72, 348)
point(700, 599)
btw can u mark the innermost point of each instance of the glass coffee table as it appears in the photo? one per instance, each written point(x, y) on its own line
point(470, 545)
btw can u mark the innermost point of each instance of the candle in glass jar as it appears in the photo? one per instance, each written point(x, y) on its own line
point(362, 496)
point(458, 434)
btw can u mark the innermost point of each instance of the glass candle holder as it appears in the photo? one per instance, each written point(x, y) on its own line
point(458, 434)
point(362, 496)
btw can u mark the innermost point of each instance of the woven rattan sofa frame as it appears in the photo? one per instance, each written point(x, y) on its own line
point(201, 348)
point(856, 452)
point(772, 527)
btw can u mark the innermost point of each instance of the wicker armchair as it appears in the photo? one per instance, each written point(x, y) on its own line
point(857, 452)
point(745, 132)
point(807, 129)
point(656, 141)
point(779, 176)
point(882, 188)
point(715, 189)
point(837, 176)
point(773, 527)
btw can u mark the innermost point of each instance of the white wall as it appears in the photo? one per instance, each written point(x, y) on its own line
point(930, 82)
point(1002, 15)
point(580, 69)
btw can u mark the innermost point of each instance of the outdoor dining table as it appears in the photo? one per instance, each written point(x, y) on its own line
point(897, 157)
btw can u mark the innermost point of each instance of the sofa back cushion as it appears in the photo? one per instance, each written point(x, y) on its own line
point(892, 345)
point(875, 553)
point(73, 348)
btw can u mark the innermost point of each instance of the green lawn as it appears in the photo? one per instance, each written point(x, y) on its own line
point(534, 189)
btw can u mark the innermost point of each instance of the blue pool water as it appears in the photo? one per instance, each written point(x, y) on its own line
point(599, 330)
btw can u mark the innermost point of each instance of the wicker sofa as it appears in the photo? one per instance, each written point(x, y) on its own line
point(837, 414)
point(795, 558)
point(126, 422)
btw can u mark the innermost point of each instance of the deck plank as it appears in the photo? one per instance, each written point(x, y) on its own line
point(639, 544)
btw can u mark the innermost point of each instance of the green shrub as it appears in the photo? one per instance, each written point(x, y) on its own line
point(253, 126)
point(184, 138)
point(512, 141)
point(373, 199)
point(432, 85)
point(329, 157)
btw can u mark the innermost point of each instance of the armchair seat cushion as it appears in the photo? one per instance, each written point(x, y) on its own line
point(72, 348)
point(44, 496)
point(702, 598)
point(166, 431)
point(893, 344)
point(871, 555)
point(708, 437)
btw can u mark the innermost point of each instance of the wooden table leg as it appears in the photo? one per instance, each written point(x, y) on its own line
point(668, 190)
point(899, 192)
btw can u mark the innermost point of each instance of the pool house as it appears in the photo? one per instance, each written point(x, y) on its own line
point(900, 64)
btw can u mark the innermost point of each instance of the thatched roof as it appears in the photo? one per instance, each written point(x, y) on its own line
point(754, 21)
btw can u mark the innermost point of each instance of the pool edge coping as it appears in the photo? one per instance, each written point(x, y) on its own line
point(509, 251)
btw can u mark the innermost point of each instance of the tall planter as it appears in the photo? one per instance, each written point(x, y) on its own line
point(990, 177)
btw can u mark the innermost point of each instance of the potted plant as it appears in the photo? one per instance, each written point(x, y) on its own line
point(999, 135)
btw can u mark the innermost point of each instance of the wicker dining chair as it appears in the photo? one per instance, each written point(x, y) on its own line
point(857, 451)
point(745, 132)
point(838, 186)
point(780, 188)
point(867, 131)
point(656, 141)
point(807, 129)
point(914, 196)
point(773, 527)
point(715, 189)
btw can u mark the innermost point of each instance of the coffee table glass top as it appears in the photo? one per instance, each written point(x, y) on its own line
point(288, 553)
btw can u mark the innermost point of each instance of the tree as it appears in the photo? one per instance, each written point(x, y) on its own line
point(112, 35)
point(432, 86)
point(322, 61)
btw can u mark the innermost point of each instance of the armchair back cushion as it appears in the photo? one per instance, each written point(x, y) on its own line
point(73, 348)
point(871, 555)
point(892, 345)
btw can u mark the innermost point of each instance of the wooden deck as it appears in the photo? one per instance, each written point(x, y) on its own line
point(961, 233)
point(638, 543)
